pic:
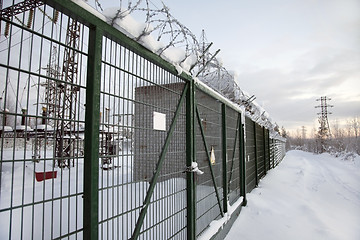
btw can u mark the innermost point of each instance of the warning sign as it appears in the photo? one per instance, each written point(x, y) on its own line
point(159, 121)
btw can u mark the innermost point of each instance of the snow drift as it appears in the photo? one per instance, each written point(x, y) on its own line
point(306, 197)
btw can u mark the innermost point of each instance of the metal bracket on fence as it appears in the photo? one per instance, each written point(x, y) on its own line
point(194, 168)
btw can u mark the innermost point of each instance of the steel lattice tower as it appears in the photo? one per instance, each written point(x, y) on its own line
point(324, 129)
point(53, 72)
point(67, 97)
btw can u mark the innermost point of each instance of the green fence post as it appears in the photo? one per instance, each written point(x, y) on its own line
point(268, 147)
point(190, 157)
point(242, 163)
point(272, 152)
point(224, 156)
point(256, 160)
point(91, 145)
point(264, 148)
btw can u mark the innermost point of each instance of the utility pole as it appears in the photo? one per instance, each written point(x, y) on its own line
point(324, 129)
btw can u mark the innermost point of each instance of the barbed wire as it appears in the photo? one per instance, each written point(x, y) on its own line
point(161, 23)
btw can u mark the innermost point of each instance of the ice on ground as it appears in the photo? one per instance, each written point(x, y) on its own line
point(306, 197)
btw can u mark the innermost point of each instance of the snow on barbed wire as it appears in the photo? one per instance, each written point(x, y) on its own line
point(157, 30)
point(224, 82)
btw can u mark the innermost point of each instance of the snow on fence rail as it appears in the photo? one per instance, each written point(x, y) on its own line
point(103, 139)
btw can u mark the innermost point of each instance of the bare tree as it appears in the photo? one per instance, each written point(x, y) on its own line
point(355, 140)
point(338, 138)
point(355, 125)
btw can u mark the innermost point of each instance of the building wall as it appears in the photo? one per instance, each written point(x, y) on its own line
point(148, 142)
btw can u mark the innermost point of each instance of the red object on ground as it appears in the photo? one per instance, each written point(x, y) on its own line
point(41, 176)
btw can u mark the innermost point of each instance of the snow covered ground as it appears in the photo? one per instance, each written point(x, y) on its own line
point(306, 197)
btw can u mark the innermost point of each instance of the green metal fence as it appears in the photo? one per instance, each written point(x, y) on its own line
point(251, 155)
point(99, 136)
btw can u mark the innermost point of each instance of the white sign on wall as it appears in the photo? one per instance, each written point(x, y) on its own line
point(159, 121)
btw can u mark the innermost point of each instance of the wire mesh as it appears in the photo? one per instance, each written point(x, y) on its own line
point(267, 150)
point(250, 155)
point(43, 69)
point(233, 120)
point(278, 148)
point(137, 103)
point(260, 150)
point(42, 124)
point(207, 204)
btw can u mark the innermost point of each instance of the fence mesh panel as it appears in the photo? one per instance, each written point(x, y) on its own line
point(267, 150)
point(260, 151)
point(137, 104)
point(233, 119)
point(250, 155)
point(210, 116)
point(43, 79)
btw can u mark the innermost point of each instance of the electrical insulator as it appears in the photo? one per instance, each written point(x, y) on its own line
point(7, 29)
point(56, 16)
point(30, 19)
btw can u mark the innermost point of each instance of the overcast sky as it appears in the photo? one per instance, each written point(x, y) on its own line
point(287, 53)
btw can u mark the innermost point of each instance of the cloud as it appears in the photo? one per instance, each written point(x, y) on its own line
point(289, 94)
point(288, 53)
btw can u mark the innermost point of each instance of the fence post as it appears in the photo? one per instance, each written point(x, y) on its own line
point(242, 163)
point(256, 160)
point(268, 147)
point(91, 144)
point(190, 157)
point(264, 148)
point(224, 156)
point(272, 152)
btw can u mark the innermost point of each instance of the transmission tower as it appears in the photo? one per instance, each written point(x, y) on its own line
point(52, 72)
point(27, 5)
point(49, 105)
point(60, 97)
point(66, 97)
point(324, 129)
